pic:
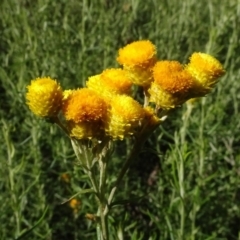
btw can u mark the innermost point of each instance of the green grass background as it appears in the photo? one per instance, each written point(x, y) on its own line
point(186, 182)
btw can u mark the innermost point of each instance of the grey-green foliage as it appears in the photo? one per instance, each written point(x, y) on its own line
point(195, 162)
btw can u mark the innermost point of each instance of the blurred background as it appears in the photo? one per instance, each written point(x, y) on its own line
point(186, 182)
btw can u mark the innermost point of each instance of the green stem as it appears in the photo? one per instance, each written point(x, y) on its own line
point(85, 156)
point(102, 182)
point(90, 169)
point(140, 140)
point(82, 153)
point(182, 195)
point(181, 176)
point(146, 97)
point(103, 163)
point(103, 219)
point(202, 143)
point(99, 232)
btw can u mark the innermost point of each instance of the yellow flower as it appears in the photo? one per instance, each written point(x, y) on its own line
point(116, 80)
point(171, 76)
point(138, 58)
point(44, 97)
point(65, 177)
point(124, 117)
point(171, 86)
point(139, 53)
point(109, 82)
point(206, 70)
point(75, 204)
point(85, 112)
point(83, 105)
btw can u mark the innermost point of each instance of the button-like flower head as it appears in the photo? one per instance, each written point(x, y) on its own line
point(85, 112)
point(124, 117)
point(110, 82)
point(138, 58)
point(84, 105)
point(171, 85)
point(206, 70)
point(44, 97)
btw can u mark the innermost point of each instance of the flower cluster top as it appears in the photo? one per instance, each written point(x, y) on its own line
point(105, 106)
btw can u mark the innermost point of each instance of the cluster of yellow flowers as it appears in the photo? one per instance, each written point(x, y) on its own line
point(105, 106)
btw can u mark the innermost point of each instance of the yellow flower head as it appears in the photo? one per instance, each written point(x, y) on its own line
point(116, 80)
point(206, 70)
point(171, 86)
point(83, 105)
point(140, 53)
point(124, 117)
point(138, 58)
point(109, 82)
point(171, 76)
point(75, 204)
point(44, 97)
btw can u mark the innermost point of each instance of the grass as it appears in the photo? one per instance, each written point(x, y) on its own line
point(185, 184)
